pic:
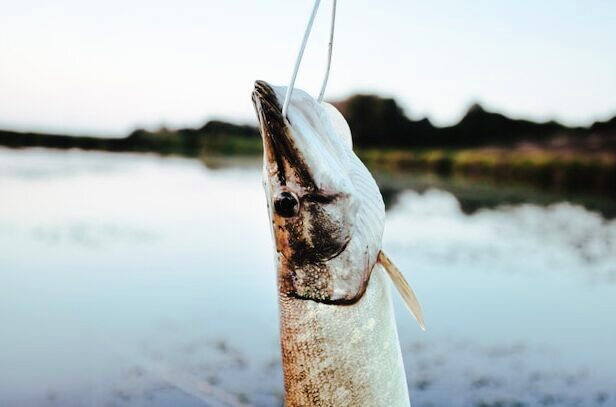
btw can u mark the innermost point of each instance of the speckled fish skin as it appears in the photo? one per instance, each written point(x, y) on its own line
point(337, 355)
point(339, 341)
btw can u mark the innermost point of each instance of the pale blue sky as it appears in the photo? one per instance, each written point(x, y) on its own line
point(107, 67)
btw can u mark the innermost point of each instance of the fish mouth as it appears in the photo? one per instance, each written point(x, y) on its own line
point(280, 150)
point(265, 99)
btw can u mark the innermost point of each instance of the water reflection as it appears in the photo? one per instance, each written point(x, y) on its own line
point(134, 279)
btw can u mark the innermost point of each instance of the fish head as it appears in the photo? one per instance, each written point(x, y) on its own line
point(326, 211)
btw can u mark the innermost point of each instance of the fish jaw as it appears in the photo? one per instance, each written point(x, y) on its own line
point(327, 246)
point(281, 157)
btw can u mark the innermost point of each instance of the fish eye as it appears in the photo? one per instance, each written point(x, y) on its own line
point(286, 204)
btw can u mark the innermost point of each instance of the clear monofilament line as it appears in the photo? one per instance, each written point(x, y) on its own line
point(330, 47)
point(287, 98)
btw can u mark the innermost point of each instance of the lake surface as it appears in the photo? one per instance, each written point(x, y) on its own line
point(134, 280)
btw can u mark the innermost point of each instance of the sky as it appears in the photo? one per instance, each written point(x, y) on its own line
point(105, 68)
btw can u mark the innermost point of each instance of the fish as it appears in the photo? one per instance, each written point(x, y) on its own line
point(338, 335)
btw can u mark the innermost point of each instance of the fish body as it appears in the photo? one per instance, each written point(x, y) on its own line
point(338, 335)
point(343, 355)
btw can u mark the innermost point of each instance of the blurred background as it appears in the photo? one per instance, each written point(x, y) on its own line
point(136, 264)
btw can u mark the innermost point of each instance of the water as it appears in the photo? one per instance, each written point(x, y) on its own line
point(137, 280)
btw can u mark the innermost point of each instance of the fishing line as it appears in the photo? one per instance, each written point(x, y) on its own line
point(330, 47)
point(298, 61)
point(287, 98)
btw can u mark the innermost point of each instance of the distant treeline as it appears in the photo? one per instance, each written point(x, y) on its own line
point(375, 122)
point(188, 142)
point(380, 122)
point(483, 144)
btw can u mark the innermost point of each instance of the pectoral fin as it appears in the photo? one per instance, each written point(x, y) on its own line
point(405, 290)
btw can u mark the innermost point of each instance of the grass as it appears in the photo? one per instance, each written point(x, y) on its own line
point(545, 168)
point(554, 170)
point(548, 169)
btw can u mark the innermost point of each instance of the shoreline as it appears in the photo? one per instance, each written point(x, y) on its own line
point(564, 169)
point(574, 171)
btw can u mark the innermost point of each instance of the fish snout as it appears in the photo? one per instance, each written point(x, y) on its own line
point(263, 93)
